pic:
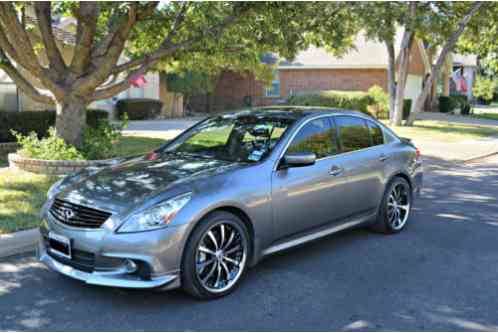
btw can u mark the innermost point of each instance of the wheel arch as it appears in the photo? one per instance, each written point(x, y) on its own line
point(244, 217)
point(401, 175)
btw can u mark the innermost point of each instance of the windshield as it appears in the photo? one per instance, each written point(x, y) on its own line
point(235, 138)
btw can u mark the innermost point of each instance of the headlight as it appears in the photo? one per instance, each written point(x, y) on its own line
point(156, 217)
point(54, 189)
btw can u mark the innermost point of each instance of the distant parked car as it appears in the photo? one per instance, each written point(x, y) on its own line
point(224, 194)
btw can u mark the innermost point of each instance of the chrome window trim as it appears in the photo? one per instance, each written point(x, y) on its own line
point(332, 115)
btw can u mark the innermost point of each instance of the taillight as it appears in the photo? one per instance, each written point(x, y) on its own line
point(417, 153)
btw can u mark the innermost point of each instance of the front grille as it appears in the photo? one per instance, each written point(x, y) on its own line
point(78, 216)
point(80, 260)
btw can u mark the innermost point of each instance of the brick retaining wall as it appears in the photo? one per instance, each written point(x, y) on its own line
point(49, 167)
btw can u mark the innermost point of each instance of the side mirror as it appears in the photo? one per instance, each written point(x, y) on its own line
point(294, 160)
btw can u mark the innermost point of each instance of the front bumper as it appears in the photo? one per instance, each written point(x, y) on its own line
point(117, 277)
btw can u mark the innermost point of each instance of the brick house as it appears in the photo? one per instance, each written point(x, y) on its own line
point(316, 69)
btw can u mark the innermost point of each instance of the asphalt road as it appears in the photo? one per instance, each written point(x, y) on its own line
point(440, 273)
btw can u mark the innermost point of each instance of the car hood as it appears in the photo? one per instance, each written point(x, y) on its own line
point(131, 182)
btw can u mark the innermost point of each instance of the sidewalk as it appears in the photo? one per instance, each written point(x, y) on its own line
point(167, 129)
point(457, 151)
point(457, 119)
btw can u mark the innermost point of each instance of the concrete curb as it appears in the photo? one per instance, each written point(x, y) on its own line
point(18, 242)
point(479, 157)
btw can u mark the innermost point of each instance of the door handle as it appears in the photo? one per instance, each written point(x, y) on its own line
point(336, 171)
point(383, 157)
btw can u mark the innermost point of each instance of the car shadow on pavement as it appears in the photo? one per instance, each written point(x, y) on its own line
point(438, 274)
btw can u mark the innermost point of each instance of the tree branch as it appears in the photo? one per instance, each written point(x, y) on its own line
point(103, 64)
point(22, 82)
point(86, 14)
point(116, 88)
point(44, 15)
point(167, 48)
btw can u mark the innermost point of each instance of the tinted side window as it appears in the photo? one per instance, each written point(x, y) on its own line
point(376, 134)
point(317, 136)
point(353, 133)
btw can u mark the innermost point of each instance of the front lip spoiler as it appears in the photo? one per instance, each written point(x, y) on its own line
point(108, 280)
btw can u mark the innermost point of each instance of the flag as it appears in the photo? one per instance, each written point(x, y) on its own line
point(138, 81)
point(460, 82)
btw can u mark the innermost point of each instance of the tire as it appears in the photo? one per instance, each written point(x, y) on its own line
point(214, 268)
point(387, 221)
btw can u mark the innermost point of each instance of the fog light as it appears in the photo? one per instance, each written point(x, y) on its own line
point(130, 266)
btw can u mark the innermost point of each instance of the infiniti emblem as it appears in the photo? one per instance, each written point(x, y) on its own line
point(67, 213)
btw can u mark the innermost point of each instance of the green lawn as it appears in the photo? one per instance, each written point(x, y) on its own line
point(132, 145)
point(444, 131)
point(22, 194)
point(487, 115)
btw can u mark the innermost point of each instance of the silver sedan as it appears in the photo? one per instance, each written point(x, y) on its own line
point(234, 188)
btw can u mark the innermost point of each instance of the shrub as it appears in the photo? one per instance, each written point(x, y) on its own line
point(407, 107)
point(484, 88)
point(460, 101)
point(380, 108)
point(49, 148)
point(139, 108)
point(95, 116)
point(24, 123)
point(446, 104)
point(39, 122)
point(98, 141)
point(351, 100)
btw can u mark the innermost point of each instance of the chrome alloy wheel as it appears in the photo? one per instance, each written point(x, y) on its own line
point(398, 206)
point(221, 257)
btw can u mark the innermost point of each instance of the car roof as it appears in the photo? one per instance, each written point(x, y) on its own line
point(297, 112)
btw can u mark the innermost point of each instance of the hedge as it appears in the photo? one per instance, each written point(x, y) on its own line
point(351, 100)
point(38, 121)
point(407, 107)
point(139, 108)
point(449, 103)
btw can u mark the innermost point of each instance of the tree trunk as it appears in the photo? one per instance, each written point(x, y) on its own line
point(404, 62)
point(391, 77)
point(448, 46)
point(70, 122)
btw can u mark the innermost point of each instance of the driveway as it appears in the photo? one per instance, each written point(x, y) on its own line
point(439, 274)
point(168, 128)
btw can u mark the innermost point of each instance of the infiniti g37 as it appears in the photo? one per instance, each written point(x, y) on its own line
point(234, 188)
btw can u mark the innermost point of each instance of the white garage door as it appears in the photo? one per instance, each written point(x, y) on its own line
point(413, 86)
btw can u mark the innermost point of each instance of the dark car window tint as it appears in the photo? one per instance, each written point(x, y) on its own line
point(317, 136)
point(376, 134)
point(353, 133)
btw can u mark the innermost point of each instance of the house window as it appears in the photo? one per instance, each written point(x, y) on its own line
point(274, 89)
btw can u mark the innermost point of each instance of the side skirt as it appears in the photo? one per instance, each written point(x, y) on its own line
point(316, 234)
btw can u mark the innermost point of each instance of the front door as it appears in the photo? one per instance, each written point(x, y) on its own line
point(310, 196)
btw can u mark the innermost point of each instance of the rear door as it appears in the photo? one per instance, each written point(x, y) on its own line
point(362, 157)
point(306, 197)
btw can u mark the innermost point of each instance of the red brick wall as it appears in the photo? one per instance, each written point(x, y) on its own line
point(229, 93)
point(233, 87)
point(299, 80)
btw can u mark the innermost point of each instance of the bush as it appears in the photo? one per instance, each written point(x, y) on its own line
point(351, 100)
point(380, 108)
point(49, 148)
point(446, 104)
point(39, 122)
point(407, 107)
point(138, 108)
point(98, 141)
point(484, 89)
